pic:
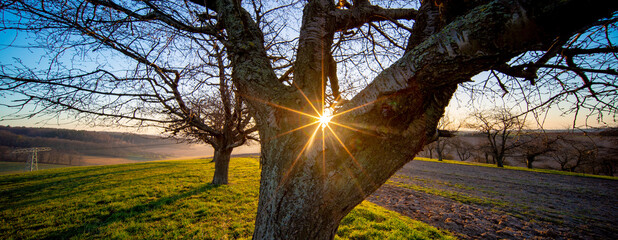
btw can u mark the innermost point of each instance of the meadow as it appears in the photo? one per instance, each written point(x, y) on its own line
point(161, 200)
point(20, 167)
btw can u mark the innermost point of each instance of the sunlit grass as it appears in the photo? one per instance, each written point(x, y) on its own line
point(160, 200)
point(370, 221)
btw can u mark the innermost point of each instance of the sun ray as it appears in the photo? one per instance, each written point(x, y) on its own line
point(356, 183)
point(362, 170)
point(296, 129)
point(307, 98)
point(354, 129)
point(282, 107)
point(357, 107)
point(322, 121)
point(346, 149)
point(323, 154)
point(307, 144)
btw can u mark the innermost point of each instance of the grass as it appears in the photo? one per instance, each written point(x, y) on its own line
point(550, 171)
point(19, 167)
point(460, 197)
point(161, 200)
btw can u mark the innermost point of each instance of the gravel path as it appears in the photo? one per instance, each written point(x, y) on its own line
point(488, 203)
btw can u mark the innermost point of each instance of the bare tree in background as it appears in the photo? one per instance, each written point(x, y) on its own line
point(220, 119)
point(535, 144)
point(499, 126)
point(186, 95)
point(574, 152)
point(463, 148)
point(607, 159)
point(445, 131)
point(314, 172)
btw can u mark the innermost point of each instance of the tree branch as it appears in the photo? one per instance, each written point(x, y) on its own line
point(345, 19)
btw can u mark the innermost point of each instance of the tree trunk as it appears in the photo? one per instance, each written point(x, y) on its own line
point(310, 182)
point(499, 161)
point(438, 149)
point(215, 156)
point(222, 165)
point(529, 161)
point(305, 194)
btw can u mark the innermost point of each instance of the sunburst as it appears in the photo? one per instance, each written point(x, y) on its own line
point(325, 118)
point(323, 123)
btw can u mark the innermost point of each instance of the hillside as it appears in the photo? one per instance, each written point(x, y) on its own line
point(79, 147)
point(161, 200)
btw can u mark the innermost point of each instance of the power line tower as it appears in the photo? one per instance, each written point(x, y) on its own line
point(33, 162)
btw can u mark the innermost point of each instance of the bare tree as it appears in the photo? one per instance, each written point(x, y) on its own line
point(499, 126)
point(573, 153)
point(428, 151)
point(315, 166)
point(193, 98)
point(463, 148)
point(220, 120)
point(534, 144)
point(607, 160)
point(445, 131)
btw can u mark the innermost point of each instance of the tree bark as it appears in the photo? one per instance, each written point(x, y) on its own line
point(222, 165)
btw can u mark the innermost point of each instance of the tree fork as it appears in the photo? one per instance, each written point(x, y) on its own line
point(302, 195)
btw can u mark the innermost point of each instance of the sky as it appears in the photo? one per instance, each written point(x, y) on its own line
point(459, 108)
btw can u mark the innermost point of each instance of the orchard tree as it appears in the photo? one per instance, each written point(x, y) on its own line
point(462, 147)
point(188, 95)
point(574, 152)
point(323, 150)
point(535, 144)
point(220, 119)
point(499, 126)
point(445, 130)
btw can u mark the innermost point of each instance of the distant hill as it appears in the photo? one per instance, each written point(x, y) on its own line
point(70, 145)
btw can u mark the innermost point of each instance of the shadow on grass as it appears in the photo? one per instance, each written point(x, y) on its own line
point(73, 171)
point(67, 183)
point(104, 220)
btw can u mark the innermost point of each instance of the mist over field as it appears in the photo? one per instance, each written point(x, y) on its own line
point(83, 148)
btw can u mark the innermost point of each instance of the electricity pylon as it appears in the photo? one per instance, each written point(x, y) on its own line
point(33, 162)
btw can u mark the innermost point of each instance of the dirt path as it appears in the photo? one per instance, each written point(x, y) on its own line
point(488, 203)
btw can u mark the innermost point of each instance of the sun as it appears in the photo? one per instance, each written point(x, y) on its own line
point(325, 118)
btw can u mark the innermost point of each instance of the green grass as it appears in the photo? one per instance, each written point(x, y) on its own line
point(19, 167)
point(161, 200)
point(550, 171)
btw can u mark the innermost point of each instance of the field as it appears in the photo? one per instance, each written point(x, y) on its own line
point(161, 200)
point(482, 202)
point(19, 167)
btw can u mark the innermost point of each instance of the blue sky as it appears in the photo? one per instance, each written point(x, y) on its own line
point(12, 47)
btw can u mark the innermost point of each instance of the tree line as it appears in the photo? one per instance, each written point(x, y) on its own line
point(500, 137)
point(68, 146)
